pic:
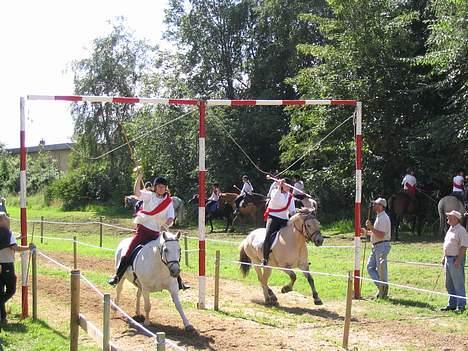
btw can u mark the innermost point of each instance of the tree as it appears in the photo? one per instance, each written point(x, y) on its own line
point(365, 56)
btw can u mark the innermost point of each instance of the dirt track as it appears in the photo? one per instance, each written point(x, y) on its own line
point(243, 322)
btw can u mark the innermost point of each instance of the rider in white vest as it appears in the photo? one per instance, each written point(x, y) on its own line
point(247, 189)
point(409, 182)
point(458, 185)
point(280, 207)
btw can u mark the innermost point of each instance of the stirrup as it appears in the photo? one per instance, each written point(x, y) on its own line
point(114, 280)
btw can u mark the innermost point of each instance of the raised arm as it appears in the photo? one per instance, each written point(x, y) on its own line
point(136, 186)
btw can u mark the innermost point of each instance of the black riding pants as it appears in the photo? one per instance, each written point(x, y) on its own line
point(7, 285)
point(273, 224)
point(239, 199)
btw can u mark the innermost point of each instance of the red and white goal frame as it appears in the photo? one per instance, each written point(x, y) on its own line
point(202, 105)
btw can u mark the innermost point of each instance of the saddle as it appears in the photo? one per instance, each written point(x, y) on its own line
point(257, 243)
point(131, 259)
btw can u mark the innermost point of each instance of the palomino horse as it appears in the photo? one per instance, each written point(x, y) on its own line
point(131, 201)
point(402, 204)
point(446, 204)
point(290, 251)
point(156, 267)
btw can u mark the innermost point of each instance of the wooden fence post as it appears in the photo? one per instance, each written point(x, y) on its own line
point(216, 294)
point(349, 299)
point(42, 229)
point(160, 341)
point(186, 249)
point(34, 284)
point(75, 256)
point(105, 323)
point(74, 309)
point(100, 231)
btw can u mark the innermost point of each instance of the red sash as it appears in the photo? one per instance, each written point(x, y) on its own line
point(458, 186)
point(161, 207)
point(411, 188)
point(268, 210)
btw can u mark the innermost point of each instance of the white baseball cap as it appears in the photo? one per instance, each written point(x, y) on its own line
point(455, 214)
point(380, 201)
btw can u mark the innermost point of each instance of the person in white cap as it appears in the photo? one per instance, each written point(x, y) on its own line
point(380, 234)
point(455, 244)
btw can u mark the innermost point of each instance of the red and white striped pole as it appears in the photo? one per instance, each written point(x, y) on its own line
point(357, 205)
point(201, 206)
point(24, 224)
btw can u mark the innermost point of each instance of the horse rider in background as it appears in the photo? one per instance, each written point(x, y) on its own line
point(458, 186)
point(409, 182)
point(156, 214)
point(247, 189)
point(298, 196)
point(212, 205)
point(280, 207)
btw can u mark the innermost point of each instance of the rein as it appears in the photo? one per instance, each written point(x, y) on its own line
point(161, 252)
point(307, 235)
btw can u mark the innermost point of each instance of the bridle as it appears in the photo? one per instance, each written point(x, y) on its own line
point(161, 252)
point(308, 236)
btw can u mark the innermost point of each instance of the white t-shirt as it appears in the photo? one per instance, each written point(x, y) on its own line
point(7, 255)
point(410, 179)
point(299, 185)
point(214, 196)
point(150, 202)
point(455, 238)
point(459, 181)
point(247, 189)
point(382, 223)
point(280, 200)
point(273, 185)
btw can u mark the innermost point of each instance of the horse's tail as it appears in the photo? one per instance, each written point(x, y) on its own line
point(243, 258)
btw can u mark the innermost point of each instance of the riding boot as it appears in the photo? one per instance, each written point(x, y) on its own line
point(123, 265)
point(182, 286)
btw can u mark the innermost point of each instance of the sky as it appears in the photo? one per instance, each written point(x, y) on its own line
point(39, 40)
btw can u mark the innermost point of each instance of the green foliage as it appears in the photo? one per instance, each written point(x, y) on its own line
point(83, 186)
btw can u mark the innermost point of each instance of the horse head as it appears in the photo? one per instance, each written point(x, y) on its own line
point(170, 252)
point(310, 226)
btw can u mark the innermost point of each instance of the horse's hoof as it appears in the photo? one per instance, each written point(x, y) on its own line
point(146, 323)
point(286, 289)
point(189, 328)
point(318, 302)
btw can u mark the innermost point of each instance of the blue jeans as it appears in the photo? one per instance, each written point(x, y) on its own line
point(455, 282)
point(377, 264)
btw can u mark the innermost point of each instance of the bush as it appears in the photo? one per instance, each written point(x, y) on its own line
point(82, 187)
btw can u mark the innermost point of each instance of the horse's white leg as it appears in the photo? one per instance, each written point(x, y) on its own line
point(174, 291)
point(138, 298)
point(146, 298)
point(289, 287)
point(272, 299)
point(305, 267)
point(119, 290)
point(259, 272)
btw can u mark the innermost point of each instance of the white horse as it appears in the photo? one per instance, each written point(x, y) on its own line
point(156, 267)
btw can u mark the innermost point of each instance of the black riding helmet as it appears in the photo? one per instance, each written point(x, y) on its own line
point(160, 180)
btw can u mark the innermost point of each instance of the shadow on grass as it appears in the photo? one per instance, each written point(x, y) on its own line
point(411, 303)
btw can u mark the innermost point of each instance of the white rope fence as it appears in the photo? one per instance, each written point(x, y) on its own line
point(170, 343)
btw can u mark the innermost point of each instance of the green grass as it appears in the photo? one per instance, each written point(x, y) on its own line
point(40, 335)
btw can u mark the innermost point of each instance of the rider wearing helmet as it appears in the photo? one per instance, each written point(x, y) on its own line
point(156, 214)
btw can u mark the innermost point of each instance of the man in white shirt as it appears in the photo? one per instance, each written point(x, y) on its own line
point(409, 182)
point(455, 244)
point(280, 207)
point(156, 214)
point(458, 185)
point(380, 234)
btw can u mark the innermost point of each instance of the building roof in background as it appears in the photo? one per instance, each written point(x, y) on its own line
point(52, 147)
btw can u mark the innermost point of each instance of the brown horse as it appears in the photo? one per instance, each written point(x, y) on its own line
point(402, 205)
point(251, 207)
point(289, 252)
